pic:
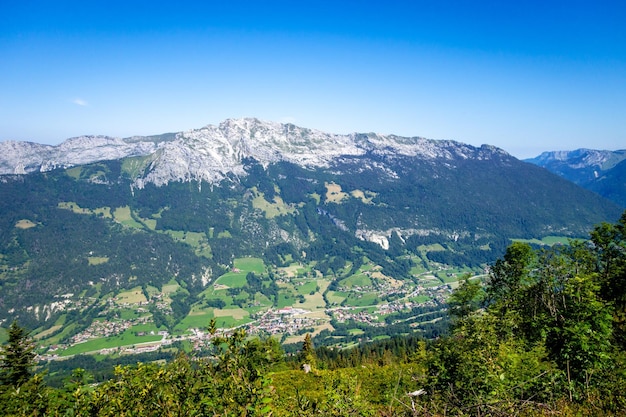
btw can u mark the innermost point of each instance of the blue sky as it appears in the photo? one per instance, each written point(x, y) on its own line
point(525, 76)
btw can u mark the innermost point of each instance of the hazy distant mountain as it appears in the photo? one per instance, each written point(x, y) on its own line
point(95, 215)
point(603, 172)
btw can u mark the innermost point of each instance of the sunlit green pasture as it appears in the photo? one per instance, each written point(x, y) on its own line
point(230, 317)
point(123, 215)
point(69, 205)
point(171, 287)
point(125, 339)
point(315, 301)
point(233, 279)
point(420, 299)
point(336, 297)
point(285, 300)
point(271, 209)
point(361, 299)
point(255, 265)
point(47, 332)
point(196, 319)
point(547, 240)
point(435, 247)
point(447, 277)
point(357, 280)
point(133, 296)
point(306, 287)
point(135, 166)
point(67, 331)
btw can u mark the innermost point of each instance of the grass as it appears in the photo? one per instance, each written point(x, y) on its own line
point(125, 339)
point(316, 197)
point(197, 320)
point(362, 299)
point(47, 332)
point(546, 241)
point(261, 299)
point(237, 277)
point(447, 277)
point(255, 265)
point(420, 299)
point(69, 205)
point(196, 240)
point(67, 330)
point(147, 327)
point(233, 279)
point(134, 296)
point(285, 300)
point(334, 193)
point(435, 247)
point(150, 223)
point(358, 280)
point(97, 260)
point(418, 268)
point(220, 295)
point(231, 317)
point(102, 211)
point(315, 301)
point(228, 322)
point(171, 287)
point(366, 197)
point(235, 313)
point(135, 166)
point(74, 172)
point(130, 314)
point(335, 297)
point(123, 215)
point(152, 291)
point(193, 239)
point(271, 210)
point(25, 224)
point(306, 288)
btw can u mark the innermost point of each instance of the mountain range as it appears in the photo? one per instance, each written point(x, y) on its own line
point(600, 171)
point(168, 216)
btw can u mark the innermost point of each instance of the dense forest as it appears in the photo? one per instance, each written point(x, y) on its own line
point(544, 335)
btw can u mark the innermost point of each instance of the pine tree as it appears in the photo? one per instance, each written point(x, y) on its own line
point(17, 357)
point(307, 355)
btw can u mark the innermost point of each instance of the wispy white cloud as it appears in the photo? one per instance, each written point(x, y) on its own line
point(80, 102)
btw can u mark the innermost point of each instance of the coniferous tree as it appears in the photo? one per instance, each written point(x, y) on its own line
point(307, 355)
point(17, 356)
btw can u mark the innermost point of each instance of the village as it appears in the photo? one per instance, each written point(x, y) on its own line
point(122, 316)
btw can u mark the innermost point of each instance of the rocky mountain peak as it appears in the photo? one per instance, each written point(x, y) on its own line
point(212, 152)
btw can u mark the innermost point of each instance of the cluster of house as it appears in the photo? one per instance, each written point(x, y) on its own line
point(287, 320)
point(349, 314)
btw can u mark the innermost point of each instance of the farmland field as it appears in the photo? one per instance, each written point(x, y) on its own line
point(127, 338)
point(232, 279)
point(255, 265)
point(134, 296)
point(548, 240)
